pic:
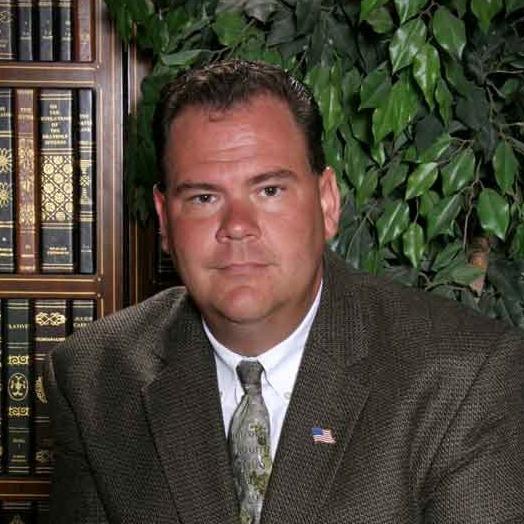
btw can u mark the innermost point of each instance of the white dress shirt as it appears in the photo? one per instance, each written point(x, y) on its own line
point(281, 364)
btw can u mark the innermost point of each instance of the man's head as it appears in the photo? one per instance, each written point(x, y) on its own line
point(223, 85)
point(244, 214)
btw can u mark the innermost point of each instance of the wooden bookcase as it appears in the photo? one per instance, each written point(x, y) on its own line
point(103, 74)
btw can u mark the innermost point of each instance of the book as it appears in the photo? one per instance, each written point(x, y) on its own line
point(41, 512)
point(87, 181)
point(18, 381)
point(27, 201)
point(56, 182)
point(45, 30)
point(50, 328)
point(1, 386)
point(7, 258)
point(83, 27)
point(83, 312)
point(7, 36)
point(17, 512)
point(64, 27)
point(25, 30)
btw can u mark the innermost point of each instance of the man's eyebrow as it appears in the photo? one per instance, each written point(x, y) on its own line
point(194, 186)
point(280, 174)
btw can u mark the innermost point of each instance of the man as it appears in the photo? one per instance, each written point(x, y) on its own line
point(380, 404)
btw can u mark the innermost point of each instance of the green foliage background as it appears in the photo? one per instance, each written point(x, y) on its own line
point(423, 105)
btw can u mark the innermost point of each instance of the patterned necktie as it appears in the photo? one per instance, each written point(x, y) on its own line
point(249, 444)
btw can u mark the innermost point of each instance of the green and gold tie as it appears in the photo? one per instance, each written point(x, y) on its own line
point(249, 444)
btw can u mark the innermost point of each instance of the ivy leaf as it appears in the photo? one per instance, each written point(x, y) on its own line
point(182, 58)
point(442, 215)
point(485, 10)
point(437, 149)
point(396, 176)
point(426, 70)
point(368, 6)
point(229, 27)
point(404, 103)
point(421, 179)
point(449, 31)
point(408, 8)
point(506, 166)
point(493, 212)
point(393, 221)
point(458, 172)
point(406, 43)
point(260, 9)
point(517, 244)
point(375, 88)
point(413, 244)
point(446, 255)
point(367, 187)
point(307, 15)
point(514, 5)
point(444, 100)
point(428, 201)
point(380, 20)
point(282, 29)
point(329, 104)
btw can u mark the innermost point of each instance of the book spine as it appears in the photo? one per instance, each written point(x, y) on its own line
point(64, 27)
point(7, 259)
point(45, 30)
point(50, 328)
point(7, 36)
point(87, 182)
point(83, 312)
point(25, 24)
point(18, 512)
point(83, 27)
point(57, 183)
point(27, 205)
point(2, 401)
point(42, 512)
point(18, 383)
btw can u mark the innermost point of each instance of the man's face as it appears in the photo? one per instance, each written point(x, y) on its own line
point(243, 216)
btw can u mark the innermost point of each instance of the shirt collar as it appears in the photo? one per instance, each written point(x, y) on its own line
point(281, 362)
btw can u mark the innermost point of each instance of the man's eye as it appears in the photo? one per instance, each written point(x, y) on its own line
point(202, 199)
point(271, 191)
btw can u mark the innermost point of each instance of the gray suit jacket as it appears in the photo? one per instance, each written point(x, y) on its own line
point(425, 400)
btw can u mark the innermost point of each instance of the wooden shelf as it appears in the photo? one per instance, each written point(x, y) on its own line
point(24, 488)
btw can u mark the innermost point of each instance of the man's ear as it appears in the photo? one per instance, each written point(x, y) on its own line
point(160, 206)
point(329, 201)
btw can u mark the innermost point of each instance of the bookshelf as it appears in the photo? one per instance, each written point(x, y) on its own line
point(95, 65)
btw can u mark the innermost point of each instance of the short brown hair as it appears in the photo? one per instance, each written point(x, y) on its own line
point(222, 85)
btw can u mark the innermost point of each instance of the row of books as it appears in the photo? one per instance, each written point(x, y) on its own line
point(46, 30)
point(26, 512)
point(47, 180)
point(30, 329)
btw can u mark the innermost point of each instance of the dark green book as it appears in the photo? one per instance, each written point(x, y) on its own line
point(7, 35)
point(87, 181)
point(18, 512)
point(83, 312)
point(25, 13)
point(18, 380)
point(50, 328)
point(64, 17)
point(45, 32)
point(7, 257)
point(57, 181)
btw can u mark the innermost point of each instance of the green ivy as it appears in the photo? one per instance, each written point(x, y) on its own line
point(423, 105)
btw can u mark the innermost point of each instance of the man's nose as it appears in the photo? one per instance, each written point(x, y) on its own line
point(239, 221)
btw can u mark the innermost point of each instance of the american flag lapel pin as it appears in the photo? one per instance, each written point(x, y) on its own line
point(322, 436)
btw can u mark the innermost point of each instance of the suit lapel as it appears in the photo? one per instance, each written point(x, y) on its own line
point(183, 408)
point(330, 392)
